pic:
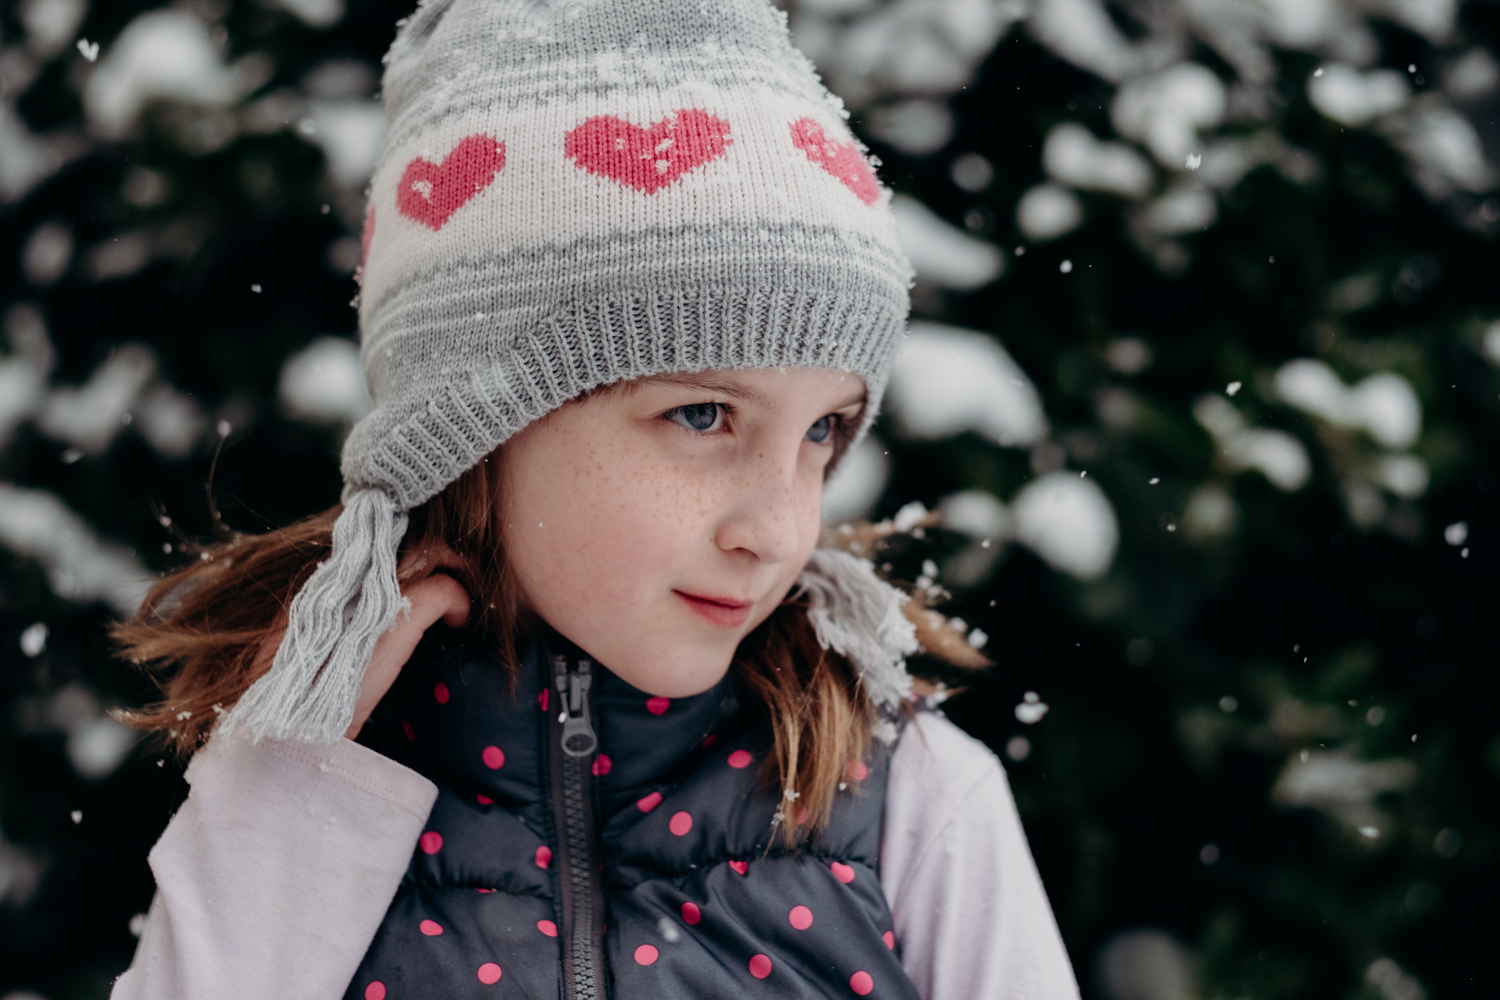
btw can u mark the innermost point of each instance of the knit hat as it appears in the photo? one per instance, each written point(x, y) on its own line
point(572, 193)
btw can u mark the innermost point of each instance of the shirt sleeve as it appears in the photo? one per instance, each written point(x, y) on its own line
point(971, 917)
point(273, 877)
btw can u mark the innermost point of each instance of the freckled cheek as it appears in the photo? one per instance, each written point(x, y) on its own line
point(636, 524)
point(671, 515)
point(809, 502)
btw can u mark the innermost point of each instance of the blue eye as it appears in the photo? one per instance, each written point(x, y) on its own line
point(821, 429)
point(701, 417)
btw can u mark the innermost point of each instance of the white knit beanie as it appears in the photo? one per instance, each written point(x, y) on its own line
point(573, 193)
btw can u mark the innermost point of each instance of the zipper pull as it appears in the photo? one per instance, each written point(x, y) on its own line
point(573, 683)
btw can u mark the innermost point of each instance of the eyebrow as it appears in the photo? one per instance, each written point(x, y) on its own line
point(729, 386)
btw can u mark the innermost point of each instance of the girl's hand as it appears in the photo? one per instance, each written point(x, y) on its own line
point(436, 596)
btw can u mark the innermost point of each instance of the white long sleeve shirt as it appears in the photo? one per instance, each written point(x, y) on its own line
point(274, 876)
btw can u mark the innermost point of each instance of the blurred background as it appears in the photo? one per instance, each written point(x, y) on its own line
point(1202, 383)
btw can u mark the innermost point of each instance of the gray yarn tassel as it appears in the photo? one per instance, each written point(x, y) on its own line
point(859, 615)
point(347, 603)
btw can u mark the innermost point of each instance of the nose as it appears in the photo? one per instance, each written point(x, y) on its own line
point(763, 517)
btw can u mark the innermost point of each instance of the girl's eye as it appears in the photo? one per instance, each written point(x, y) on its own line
point(821, 429)
point(701, 417)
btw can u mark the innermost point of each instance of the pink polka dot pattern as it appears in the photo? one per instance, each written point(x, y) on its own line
point(543, 856)
point(489, 973)
point(857, 770)
point(375, 991)
point(547, 927)
point(411, 736)
point(494, 758)
point(657, 706)
point(430, 927)
point(602, 764)
point(690, 912)
point(680, 824)
point(645, 955)
point(862, 983)
point(440, 692)
point(800, 917)
point(740, 866)
point(889, 937)
point(842, 872)
point(760, 966)
point(541, 700)
point(483, 891)
point(649, 803)
point(431, 842)
point(484, 799)
point(740, 758)
point(708, 740)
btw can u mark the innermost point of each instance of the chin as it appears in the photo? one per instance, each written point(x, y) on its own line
point(679, 671)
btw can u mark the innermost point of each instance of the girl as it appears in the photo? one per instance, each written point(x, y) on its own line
point(562, 700)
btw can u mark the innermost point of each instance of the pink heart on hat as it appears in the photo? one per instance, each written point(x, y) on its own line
point(648, 159)
point(430, 193)
point(841, 159)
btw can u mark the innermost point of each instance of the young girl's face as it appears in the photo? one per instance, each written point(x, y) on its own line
point(656, 524)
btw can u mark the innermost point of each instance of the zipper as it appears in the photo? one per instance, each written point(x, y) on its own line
point(573, 813)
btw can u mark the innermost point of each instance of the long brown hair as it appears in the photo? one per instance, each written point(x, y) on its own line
point(204, 631)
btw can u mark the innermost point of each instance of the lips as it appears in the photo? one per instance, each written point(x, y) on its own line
point(727, 611)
